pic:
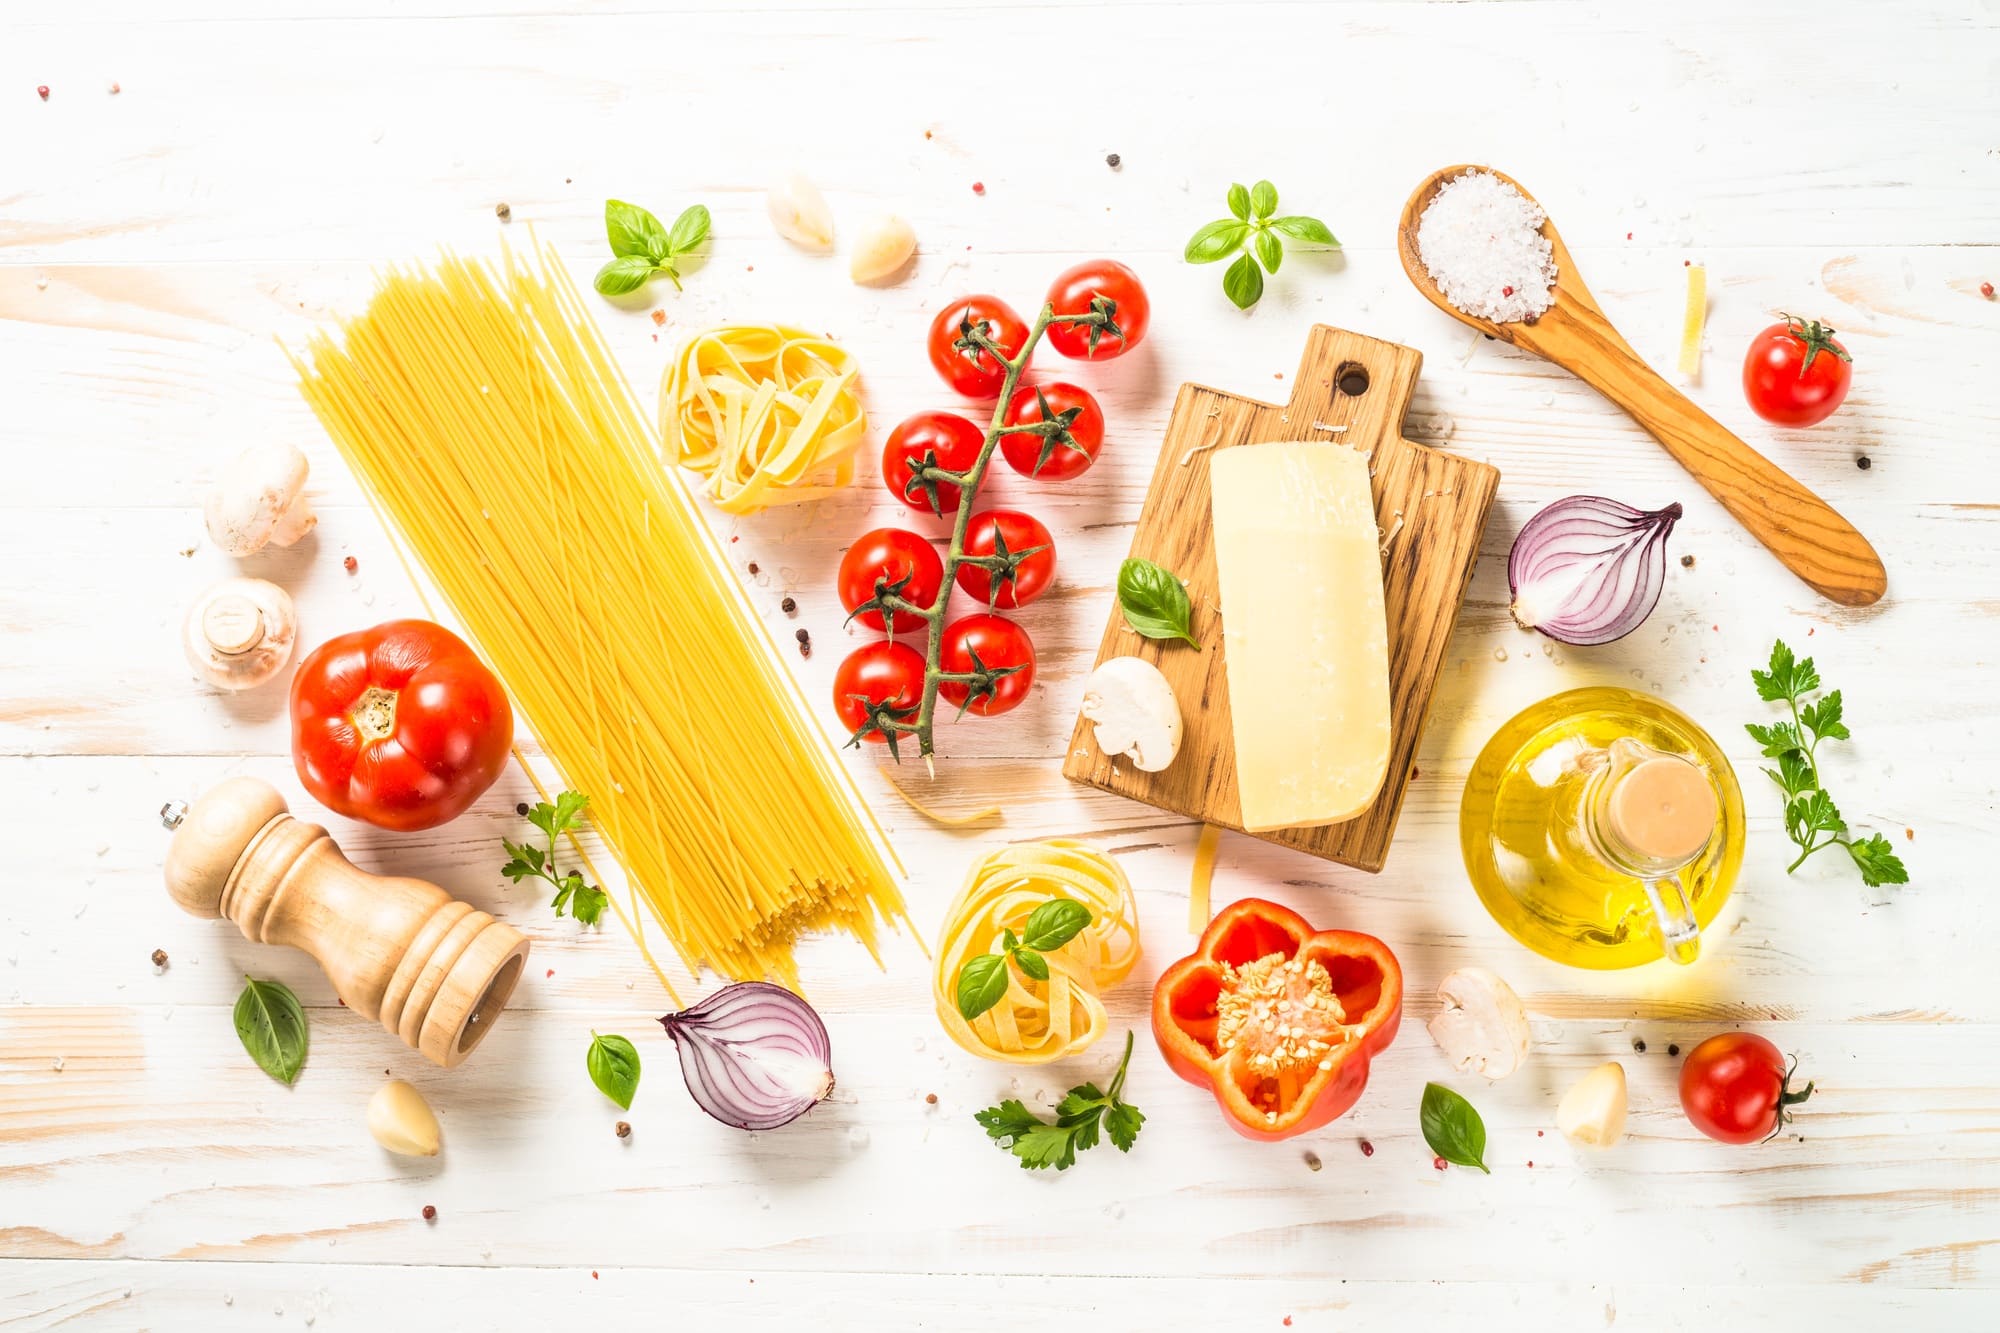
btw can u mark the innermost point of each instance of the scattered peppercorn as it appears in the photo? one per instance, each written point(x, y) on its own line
point(504, 211)
point(1687, 562)
point(160, 958)
point(930, 1099)
point(801, 636)
point(1438, 1162)
point(1367, 1148)
point(1639, 1045)
point(430, 1213)
point(42, 91)
point(1864, 462)
point(788, 606)
point(624, 1130)
point(660, 318)
point(805, 644)
point(1506, 291)
point(350, 564)
point(1312, 1160)
point(521, 809)
point(979, 187)
point(1112, 160)
point(1673, 1048)
point(753, 567)
point(1985, 288)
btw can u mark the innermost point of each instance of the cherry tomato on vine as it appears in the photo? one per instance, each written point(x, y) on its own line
point(986, 644)
point(1072, 293)
point(1735, 1087)
point(890, 560)
point(878, 682)
point(1795, 374)
point(945, 440)
point(973, 371)
point(1007, 533)
point(1053, 457)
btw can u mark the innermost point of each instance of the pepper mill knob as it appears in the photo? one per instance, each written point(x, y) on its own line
point(435, 971)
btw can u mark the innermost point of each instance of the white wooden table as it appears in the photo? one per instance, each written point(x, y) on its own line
point(259, 157)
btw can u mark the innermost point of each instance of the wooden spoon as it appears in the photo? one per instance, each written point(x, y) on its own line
point(1801, 529)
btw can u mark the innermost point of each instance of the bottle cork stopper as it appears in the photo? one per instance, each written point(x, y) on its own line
point(1664, 809)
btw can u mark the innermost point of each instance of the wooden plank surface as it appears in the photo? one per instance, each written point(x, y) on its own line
point(263, 155)
point(1430, 506)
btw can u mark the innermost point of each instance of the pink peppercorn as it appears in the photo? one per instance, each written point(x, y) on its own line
point(979, 187)
point(42, 91)
point(1367, 1148)
point(1986, 290)
point(1438, 1162)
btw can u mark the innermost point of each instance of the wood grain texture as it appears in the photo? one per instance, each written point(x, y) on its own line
point(1802, 530)
point(1430, 506)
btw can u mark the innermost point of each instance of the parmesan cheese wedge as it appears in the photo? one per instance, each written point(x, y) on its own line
point(1305, 638)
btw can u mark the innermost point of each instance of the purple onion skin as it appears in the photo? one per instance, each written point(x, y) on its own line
point(1621, 556)
point(735, 1046)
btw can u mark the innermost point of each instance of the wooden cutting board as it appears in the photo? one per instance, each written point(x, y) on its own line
point(1431, 506)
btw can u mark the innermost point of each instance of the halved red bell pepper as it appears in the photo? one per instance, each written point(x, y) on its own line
point(1278, 1020)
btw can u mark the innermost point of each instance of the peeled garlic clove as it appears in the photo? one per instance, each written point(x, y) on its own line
point(1592, 1113)
point(800, 214)
point(882, 250)
point(402, 1121)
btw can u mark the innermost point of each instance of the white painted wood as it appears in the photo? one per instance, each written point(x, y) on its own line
point(260, 159)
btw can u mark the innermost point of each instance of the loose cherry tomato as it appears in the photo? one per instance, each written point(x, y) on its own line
point(941, 439)
point(972, 371)
point(879, 682)
point(1013, 536)
point(1053, 457)
point(993, 647)
point(1735, 1088)
point(890, 560)
point(1796, 373)
point(1072, 293)
point(400, 725)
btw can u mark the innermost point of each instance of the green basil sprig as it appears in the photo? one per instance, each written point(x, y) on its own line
point(983, 980)
point(1154, 602)
point(1452, 1127)
point(272, 1027)
point(641, 247)
point(1252, 230)
point(614, 1067)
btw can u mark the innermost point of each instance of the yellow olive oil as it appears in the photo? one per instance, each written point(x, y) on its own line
point(1533, 828)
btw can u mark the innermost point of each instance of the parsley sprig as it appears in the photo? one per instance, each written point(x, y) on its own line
point(641, 247)
point(1079, 1115)
point(584, 901)
point(1812, 820)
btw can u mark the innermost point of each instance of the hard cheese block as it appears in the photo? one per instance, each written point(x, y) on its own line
point(1299, 567)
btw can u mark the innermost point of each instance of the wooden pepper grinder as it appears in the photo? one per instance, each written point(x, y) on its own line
point(436, 971)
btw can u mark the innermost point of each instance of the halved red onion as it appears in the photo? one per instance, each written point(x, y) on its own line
point(754, 1055)
point(1588, 570)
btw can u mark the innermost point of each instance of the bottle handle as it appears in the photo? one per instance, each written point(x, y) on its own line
point(1680, 933)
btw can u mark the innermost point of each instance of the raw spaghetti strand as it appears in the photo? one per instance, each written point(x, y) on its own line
point(484, 415)
point(1038, 1021)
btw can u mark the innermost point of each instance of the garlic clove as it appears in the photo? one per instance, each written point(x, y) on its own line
point(800, 214)
point(881, 251)
point(1483, 1027)
point(402, 1121)
point(1592, 1113)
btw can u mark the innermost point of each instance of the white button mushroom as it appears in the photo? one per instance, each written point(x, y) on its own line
point(260, 498)
point(800, 214)
point(1135, 711)
point(881, 251)
point(1592, 1113)
point(239, 633)
point(1482, 1028)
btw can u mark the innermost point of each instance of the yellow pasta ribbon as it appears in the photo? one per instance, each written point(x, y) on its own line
point(767, 414)
point(1038, 1021)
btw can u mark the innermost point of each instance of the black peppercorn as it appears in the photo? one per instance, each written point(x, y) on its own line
point(521, 809)
point(788, 606)
point(753, 568)
point(1864, 463)
point(1687, 562)
point(1673, 1048)
point(1639, 1045)
point(1111, 160)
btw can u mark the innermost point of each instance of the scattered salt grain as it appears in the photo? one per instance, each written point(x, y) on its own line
point(1482, 244)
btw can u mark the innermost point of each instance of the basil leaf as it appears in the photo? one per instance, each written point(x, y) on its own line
point(1239, 202)
point(1310, 230)
point(1268, 249)
point(690, 230)
point(613, 1063)
point(1215, 241)
point(1263, 199)
point(628, 273)
point(1244, 283)
point(981, 983)
point(1153, 600)
point(1054, 924)
point(1452, 1127)
point(1033, 964)
point(634, 232)
point(272, 1027)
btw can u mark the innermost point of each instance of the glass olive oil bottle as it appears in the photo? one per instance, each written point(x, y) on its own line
point(1603, 828)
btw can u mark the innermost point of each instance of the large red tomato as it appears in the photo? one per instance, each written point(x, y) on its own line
point(990, 644)
point(972, 370)
point(1072, 293)
point(1060, 456)
point(890, 560)
point(1008, 533)
point(942, 439)
point(401, 726)
point(1735, 1087)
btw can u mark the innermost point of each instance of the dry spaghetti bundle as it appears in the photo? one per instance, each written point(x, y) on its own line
point(483, 413)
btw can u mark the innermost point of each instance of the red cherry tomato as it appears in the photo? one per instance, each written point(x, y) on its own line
point(1053, 457)
point(1071, 294)
point(1735, 1088)
point(879, 682)
point(401, 726)
point(987, 643)
point(941, 438)
point(890, 560)
point(973, 371)
point(993, 532)
point(1796, 373)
